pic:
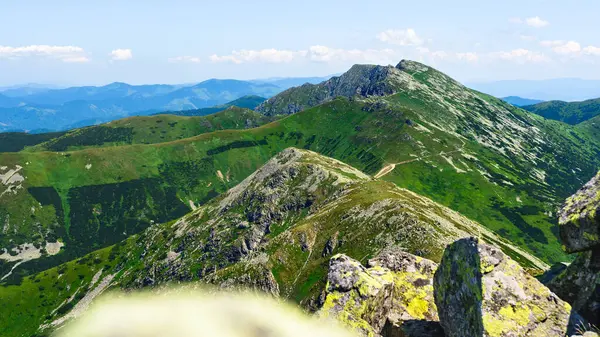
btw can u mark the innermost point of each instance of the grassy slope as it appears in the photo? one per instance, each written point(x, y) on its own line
point(591, 127)
point(568, 112)
point(395, 217)
point(152, 129)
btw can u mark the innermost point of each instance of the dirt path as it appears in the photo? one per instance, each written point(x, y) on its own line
point(390, 167)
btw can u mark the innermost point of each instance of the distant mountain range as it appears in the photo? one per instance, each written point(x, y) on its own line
point(248, 102)
point(288, 82)
point(520, 101)
point(36, 108)
point(564, 89)
point(26, 89)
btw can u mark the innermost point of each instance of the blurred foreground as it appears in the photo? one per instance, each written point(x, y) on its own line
point(191, 313)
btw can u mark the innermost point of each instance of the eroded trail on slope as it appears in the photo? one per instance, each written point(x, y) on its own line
point(390, 167)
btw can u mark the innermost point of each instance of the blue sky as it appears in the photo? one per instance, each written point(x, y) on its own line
point(181, 41)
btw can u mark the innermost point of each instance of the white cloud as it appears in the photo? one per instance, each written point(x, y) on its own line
point(313, 53)
point(121, 54)
point(326, 54)
point(185, 59)
point(520, 56)
point(400, 37)
point(70, 54)
point(536, 22)
point(449, 56)
point(264, 55)
point(469, 57)
point(76, 59)
point(570, 47)
point(591, 50)
point(439, 54)
point(567, 47)
point(552, 43)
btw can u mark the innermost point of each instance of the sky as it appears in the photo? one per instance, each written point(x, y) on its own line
point(96, 42)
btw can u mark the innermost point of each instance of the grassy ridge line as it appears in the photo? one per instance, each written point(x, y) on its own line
point(151, 130)
point(568, 112)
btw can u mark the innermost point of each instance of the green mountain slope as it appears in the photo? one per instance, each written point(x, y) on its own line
point(275, 231)
point(591, 127)
point(152, 129)
point(568, 112)
point(17, 141)
point(491, 161)
point(248, 102)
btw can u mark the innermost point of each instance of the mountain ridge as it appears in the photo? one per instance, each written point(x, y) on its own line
point(568, 112)
point(520, 101)
point(458, 147)
point(274, 231)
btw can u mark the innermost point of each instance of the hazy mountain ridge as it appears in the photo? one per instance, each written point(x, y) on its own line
point(63, 108)
point(565, 89)
point(248, 102)
point(520, 101)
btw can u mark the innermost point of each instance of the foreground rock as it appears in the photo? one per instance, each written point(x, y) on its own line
point(479, 291)
point(579, 285)
point(579, 223)
point(579, 219)
point(395, 294)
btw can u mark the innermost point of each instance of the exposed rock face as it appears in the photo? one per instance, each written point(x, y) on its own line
point(413, 285)
point(361, 80)
point(251, 275)
point(579, 219)
point(579, 285)
point(395, 295)
point(356, 296)
point(479, 291)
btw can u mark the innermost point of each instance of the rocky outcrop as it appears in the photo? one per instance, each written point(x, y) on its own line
point(579, 223)
point(413, 285)
point(394, 295)
point(579, 285)
point(358, 297)
point(579, 219)
point(250, 275)
point(361, 80)
point(479, 291)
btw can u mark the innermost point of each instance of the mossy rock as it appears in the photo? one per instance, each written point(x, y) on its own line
point(479, 291)
point(579, 285)
point(579, 218)
point(395, 291)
